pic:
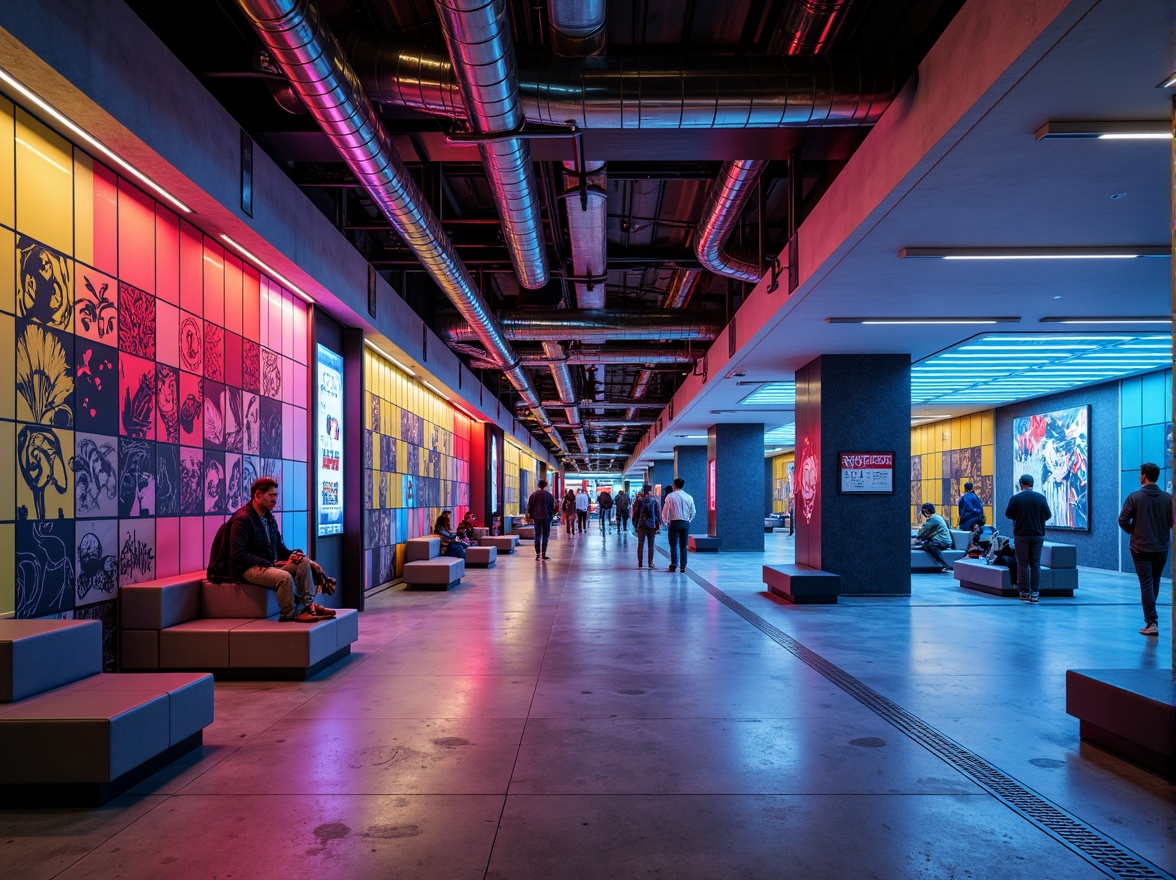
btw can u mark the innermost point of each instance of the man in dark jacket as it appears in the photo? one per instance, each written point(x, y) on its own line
point(1147, 517)
point(1029, 512)
point(971, 509)
point(248, 548)
point(541, 510)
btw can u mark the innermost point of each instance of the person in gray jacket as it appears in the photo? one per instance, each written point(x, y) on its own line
point(1147, 517)
point(934, 536)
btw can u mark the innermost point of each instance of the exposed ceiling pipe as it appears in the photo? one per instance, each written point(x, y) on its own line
point(663, 357)
point(725, 201)
point(656, 92)
point(567, 390)
point(586, 326)
point(576, 27)
point(313, 61)
point(587, 230)
point(477, 35)
point(682, 287)
point(809, 27)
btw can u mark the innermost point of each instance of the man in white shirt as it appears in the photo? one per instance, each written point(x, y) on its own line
point(582, 510)
point(677, 513)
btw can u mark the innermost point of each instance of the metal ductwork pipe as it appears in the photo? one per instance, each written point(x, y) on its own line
point(587, 326)
point(478, 37)
point(655, 92)
point(725, 201)
point(664, 357)
point(576, 27)
point(809, 27)
point(313, 61)
point(682, 287)
point(566, 388)
point(587, 229)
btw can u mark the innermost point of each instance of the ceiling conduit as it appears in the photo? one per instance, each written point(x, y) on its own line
point(312, 60)
point(577, 27)
point(668, 357)
point(809, 27)
point(566, 389)
point(477, 35)
point(592, 326)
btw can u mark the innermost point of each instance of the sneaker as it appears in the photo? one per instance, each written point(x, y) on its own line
point(1033, 600)
point(672, 568)
point(1152, 629)
point(545, 556)
point(1024, 597)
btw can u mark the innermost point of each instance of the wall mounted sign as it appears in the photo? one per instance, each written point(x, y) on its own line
point(330, 442)
point(866, 473)
point(711, 485)
point(810, 479)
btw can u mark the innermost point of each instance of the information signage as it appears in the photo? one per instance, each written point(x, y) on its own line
point(866, 473)
point(329, 481)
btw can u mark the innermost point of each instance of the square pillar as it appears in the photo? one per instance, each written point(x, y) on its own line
point(735, 473)
point(690, 465)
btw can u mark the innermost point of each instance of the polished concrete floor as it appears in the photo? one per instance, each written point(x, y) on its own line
point(585, 718)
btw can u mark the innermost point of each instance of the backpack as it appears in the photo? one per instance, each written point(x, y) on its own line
point(647, 514)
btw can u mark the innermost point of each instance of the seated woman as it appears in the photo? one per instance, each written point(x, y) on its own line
point(465, 530)
point(450, 546)
point(933, 536)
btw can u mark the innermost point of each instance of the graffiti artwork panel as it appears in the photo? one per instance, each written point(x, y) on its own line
point(271, 374)
point(136, 385)
point(234, 420)
point(1054, 448)
point(214, 415)
point(251, 366)
point(167, 404)
point(96, 308)
point(250, 423)
point(44, 375)
point(191, 480)
point(136, 552)
point(44, 567)
point(191, 409)
point(191, 343)
point(96, 561)
point(44, 284)
point(96, 392)
point(44, 490)
point(270, 437)
point(95, 472)
point(136, 322)
point(214, 352)
point(107, 614)
point(216, 484)
point(167, 479)
point(136, 478)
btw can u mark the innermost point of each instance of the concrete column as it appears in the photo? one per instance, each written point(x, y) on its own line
point(736, 453)
point(690, 465)
point(767, 487)
point(854, 403)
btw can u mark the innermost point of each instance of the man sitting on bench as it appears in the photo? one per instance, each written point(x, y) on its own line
point(248, 548)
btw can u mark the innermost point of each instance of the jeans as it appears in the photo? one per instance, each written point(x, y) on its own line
point(1149, 567)
point(934, 550)
point(542, 533)
point(455, 548)
point(645, 533)
point(286, 580)
point(622, 522)
point(1028, 550)
point(678, 532)
point(605, 519)
point(582, 519)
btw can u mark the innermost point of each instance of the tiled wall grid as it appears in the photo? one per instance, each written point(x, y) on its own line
point(147, 377)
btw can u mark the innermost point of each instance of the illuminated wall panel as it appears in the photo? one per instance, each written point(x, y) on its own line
point(135, 419)
point(781, 482)
point(947, 454)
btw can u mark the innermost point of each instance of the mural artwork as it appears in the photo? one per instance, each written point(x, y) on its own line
point(1054, 448)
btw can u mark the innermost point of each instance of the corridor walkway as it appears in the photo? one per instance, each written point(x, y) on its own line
point(582, 718)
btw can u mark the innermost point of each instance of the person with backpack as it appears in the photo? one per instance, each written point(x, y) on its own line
point(604, 504)
point(541, 510)
point(647, 520)
point(568, 512)
point(622, 505)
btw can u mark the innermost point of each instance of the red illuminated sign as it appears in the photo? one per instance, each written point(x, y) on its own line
point(710, 485)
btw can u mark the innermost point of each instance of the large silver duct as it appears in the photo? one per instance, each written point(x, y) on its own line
point(587, 230)
point(808, 27)
point(586, 326)
point(649, 92)
point(638, 354)
point(478, 37)
point(313, 61)
point(566, 388)
point(725, 201)
point(682, 287)
point(576, 27)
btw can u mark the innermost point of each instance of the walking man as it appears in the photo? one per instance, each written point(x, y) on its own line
point(1147, 517)
point(582, 510)
point(677, 514)
point(622, 504)
point(604, 506)
point(541, 510)
point(1029, 512)
point(647, 520)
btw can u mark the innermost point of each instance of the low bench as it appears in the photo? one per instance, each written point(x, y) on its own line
point(503, 543)
point(1129, 712)
point(1059, 573)
point(231, 630)
point(702, 544)
point(425, 568)
point(481, 557)
point(802, 584)
point(525, 533)
point(921, 560)
point(75, 736)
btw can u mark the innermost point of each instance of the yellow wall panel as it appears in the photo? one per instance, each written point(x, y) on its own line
point(7, 585)
point(44, 184)
point(7, 377)
point(83, 198)
point(7, 170)
point(8, 473)
point(987, 428)
point(7, 272)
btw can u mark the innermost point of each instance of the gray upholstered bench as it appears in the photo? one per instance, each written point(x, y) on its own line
point(702, 544)
point(1058, 579)
point(921, 560)
point(230, 630)
point(481, 532)
point(769, 525)
point(427, 570)
point(1129, 712)
point(77, 736)
point(481, 557)
point(504, 543)
point(803, 585)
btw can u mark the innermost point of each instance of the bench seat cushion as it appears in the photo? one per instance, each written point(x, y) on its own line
point(161, 603)
point(801, 584)
point(1057, 555)
point(504, 543)
point(702, 544)
point(921, 560)
point(525, 533)
point(273, 644)
point(190, 696)
point(39, 655)
point(237, 600)
point(442, 571)
point(199, 644)
point(482, 557)
point(417, 549)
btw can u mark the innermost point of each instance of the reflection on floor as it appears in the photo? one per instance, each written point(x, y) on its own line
point(585, 718)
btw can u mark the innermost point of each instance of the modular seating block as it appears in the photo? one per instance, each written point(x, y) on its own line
point(975, 574)
point(702, 544)
point(803, 585)
point(769, 526)
point(481, 557)
point(1129, 712)
point(921, 560)
point(38, 655)
point(504, 543)
point(418, 549)
point(434, 574)
point(481, 532)
point(237, 600)
point(525, 533)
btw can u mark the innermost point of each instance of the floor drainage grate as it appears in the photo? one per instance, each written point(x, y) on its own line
point(1072, 832)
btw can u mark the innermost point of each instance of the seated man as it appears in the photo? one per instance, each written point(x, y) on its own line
point(933, 536)
point(465, 530)
point(249, 548)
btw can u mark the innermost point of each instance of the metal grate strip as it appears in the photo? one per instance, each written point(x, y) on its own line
point(1067, 829)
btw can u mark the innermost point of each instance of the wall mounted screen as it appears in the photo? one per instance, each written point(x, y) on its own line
point(330, 442)
point(1054, 448)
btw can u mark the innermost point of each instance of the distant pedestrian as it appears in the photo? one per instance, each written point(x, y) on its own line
point(604, 506)
point(1147, 517)
point(647, 520)
point(622, 505)
point(1029, 512)
point(581, 510)
point(677, 514)
point(541, 510)
point(568, 512)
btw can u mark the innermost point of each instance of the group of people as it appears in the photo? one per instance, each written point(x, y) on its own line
point(1146, 516)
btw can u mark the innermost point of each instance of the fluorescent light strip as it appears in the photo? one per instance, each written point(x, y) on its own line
point(77, 131)
point(1160, 321)
point(389, 357)
point(249, 255)
point(1145, 129)
point(1036, 253)
point(984, 319)
point(434, 389)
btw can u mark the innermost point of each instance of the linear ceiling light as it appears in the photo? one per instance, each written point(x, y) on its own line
point(1152, 319)
point(249, 255)
point(988, 319)
point(388, 357)
point(771, 393)
point(1142, 130)
point(1132, 252)
point(77, 131)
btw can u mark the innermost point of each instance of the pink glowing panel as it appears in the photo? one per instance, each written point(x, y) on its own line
point(301, 432)
point(301, 332)
point(167, 332)
point(191, 269)
point(105, 220)
point(288, 379)
point(298, 384)
point(251, 304)
point(211, 524)
point(234, 279)
point(233, 360)
point(289, 305)
point(136, 237)
point(289, 430)
point(167, 255)
point(193, 555)
point(214, 282)
point(275, 318)
point(263, 305)
point(167, 547)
